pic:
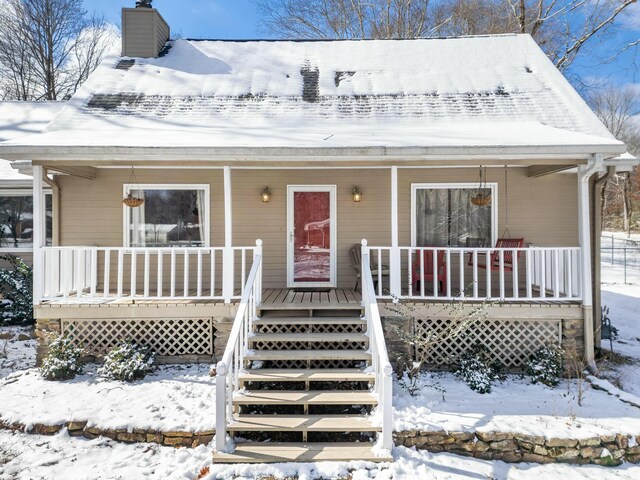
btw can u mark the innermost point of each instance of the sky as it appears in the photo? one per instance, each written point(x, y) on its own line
point(239, 19)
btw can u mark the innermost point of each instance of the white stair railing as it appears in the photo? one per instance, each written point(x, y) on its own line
point(232, 363)
point(379, 358)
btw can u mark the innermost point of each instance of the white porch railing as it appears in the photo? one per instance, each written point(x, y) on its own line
point(380, 364)
point(232, 363)
point(144, 273)
point(531, 274)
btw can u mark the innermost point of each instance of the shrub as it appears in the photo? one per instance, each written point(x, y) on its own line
point(127, 362)
point(16, 285)
point(476, 369)
point(546, 365)
point(63, 360)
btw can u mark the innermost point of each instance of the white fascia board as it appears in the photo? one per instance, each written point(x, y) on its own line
point(240, 154)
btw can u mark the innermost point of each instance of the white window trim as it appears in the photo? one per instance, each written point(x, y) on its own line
point(127, 187)
point(17, 192)
point(445, 186)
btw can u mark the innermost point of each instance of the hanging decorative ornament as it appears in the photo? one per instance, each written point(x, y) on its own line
point(132, 200)
point(483, 195)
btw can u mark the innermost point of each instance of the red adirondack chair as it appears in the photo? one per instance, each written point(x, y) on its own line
point(495, 255)
point(426, 274)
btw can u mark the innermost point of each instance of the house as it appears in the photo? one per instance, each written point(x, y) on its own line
point(19, 119)
point(266, 179)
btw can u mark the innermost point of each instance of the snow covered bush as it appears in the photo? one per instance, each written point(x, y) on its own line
point(127, 362)
point(16, 282)
point(476, 369)
point(63, 360)
point(546, 365)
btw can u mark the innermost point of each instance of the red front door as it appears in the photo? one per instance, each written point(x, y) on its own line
point(311, 236)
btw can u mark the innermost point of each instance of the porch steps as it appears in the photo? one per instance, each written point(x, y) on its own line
point(306, 390)
point(309, 321)
point(303, 423)
point(304, 397)
point(308, 355)
point(283, 452)
point(307, 375)
point(309, 337)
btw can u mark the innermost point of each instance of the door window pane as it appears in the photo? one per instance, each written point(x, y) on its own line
point(312, 239)
point(447, 217)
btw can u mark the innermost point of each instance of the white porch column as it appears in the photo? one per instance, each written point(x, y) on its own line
point(228, 263)
point(584, 232)
point(39, 234)
point(394, 256)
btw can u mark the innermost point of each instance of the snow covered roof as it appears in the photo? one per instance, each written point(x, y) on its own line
point(19, 119)
point(497, 92)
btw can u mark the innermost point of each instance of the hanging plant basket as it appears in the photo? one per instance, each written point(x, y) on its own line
point(133, 202)
point(481, 199)
point(130, 200)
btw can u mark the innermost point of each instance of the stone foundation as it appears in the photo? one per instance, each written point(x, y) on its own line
point(608, 450)
point(46, 331)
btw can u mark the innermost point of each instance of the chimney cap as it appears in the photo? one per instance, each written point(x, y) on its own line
point(143, 3)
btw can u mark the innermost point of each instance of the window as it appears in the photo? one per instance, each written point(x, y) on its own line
point(16, 220)
point(171, 215)
point(444, 216)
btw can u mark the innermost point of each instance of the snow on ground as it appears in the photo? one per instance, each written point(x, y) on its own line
point(16, 354)
point(26, 457)
point(514, 405)
point(173, 398)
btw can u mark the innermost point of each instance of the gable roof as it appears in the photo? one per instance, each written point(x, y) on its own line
point(489, 92)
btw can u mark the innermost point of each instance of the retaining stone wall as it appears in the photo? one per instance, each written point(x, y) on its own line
point(608, 450)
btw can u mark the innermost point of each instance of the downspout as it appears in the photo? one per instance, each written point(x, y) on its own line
point(596, 242)
point(585, 232)
point(55, 207)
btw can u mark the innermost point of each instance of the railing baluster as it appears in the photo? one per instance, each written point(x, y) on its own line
point(569, 273)
point(543, 274)
point(199, 281)
point(243, 270)
point(435, 265)
point(134, 272)
point(448, 269)
point(160, 279)
point(488, 273)
point(147, 272)
point(514, 274)
point(172, 287)
point(475, 273)
point(94, 271)
point(213, 272)
point(379, 272)
point(461, 253)
point(501, 269)
point(185, 280)
point(409, 271)
point(79, 277)
point(107, 272)
point(422, 272)
point(528, 253)
point(556, 274)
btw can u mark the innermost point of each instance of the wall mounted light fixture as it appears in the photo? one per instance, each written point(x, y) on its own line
point(356, 194)
point(265, 195)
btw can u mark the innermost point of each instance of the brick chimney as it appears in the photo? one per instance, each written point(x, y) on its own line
point(144, 31)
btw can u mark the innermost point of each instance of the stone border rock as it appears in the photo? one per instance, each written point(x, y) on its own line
point(137, 435)
point(607, 450)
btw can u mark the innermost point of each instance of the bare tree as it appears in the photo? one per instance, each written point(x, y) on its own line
point(48, 47)
point(617, 108)
point(561, 27)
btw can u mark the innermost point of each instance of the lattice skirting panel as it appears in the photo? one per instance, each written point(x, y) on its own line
point(170, 337)
point(510, 342)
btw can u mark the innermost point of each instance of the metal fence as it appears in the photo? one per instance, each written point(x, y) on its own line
point(620, 260)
